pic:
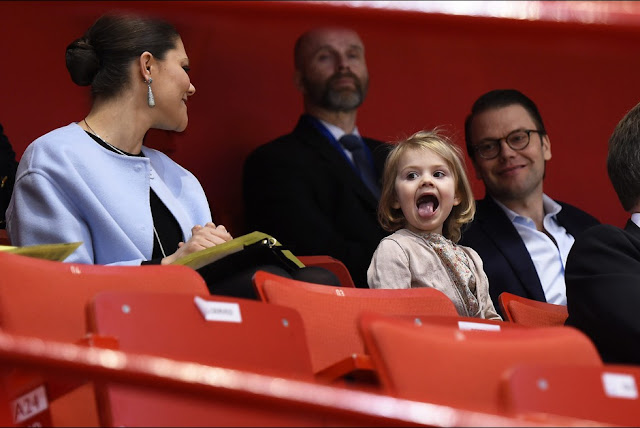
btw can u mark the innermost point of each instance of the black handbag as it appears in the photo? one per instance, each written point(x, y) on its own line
point(231, 275)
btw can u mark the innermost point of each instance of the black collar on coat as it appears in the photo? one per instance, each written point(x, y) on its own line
point(633, 229)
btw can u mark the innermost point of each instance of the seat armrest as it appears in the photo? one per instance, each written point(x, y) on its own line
point(354, 369)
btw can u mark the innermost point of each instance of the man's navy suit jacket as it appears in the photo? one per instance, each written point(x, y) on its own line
point(506, 260)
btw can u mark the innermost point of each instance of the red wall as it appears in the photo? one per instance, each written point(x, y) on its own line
point(426, 70)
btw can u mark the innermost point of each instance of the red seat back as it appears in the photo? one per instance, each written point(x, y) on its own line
point(330, 313)
point(607, 394)
point(442, 364)
point(531, 313)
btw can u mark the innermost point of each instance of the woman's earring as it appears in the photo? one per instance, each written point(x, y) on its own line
point(150, 100)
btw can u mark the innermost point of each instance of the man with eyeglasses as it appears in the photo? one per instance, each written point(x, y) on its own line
point(522, 235)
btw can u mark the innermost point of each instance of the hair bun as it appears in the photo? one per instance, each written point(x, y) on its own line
point(82, 61)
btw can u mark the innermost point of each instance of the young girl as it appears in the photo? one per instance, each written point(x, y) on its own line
point(426, 199)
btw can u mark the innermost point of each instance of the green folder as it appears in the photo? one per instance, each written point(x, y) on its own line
point(209, 255)
point(55, 252)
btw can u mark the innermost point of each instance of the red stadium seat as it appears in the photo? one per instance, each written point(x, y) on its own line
point(608, 393)
point(215, 396)
point(531, 313)
point(47, 299)
point(4, 238)
point(331, 264)
point(440, 363)
point(330, 313)
point(240, 334)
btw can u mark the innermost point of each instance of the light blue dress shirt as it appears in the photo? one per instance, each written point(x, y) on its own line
point(548, 257)
point(337, 133)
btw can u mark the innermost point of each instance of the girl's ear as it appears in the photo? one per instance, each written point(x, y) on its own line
point(395, 204)
point(456, 200)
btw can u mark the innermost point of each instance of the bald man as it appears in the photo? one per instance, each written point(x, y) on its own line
point(312, 189)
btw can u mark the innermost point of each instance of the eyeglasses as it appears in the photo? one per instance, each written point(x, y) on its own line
point(516, 140)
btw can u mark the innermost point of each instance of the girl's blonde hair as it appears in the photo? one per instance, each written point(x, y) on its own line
point(392, 219)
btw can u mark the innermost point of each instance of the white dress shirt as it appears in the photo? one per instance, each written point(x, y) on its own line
point(548, 257)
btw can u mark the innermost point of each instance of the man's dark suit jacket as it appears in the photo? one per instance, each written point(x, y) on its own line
point(603, 290)
point(304, 192)
point(506, 260)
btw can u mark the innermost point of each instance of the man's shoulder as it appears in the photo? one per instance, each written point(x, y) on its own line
point(572, 213)
point(288, 146)
point(488, 214)
point(601, 234)
point(605, 242)
point(485, 205)
point(489, 228)
point(289, 141)
point(283, 141)
point(603, 248)
point(374, 142)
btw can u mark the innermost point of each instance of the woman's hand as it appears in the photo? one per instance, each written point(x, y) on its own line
point(201, 237)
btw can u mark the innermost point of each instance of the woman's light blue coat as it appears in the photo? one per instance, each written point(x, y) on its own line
point(69, 188)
